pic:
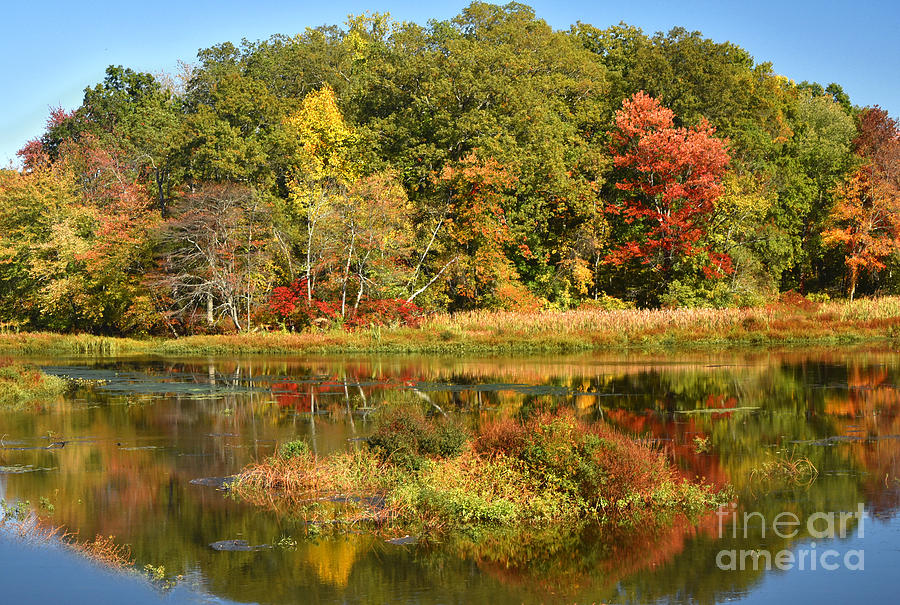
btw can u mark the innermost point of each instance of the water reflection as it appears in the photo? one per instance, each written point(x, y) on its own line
point(138, 431)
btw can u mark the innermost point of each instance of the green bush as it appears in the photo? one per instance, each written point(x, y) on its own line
point(818, 297)
point(405, 435)
point(294, 449)
point(606, 303)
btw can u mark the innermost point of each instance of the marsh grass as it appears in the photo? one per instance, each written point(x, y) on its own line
point(419, 475)
point(101, 549)
point(21, 385)
point(785, 469)
point(793, 319)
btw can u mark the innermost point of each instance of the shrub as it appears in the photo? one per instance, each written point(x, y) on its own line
point(606, 303)
point(294, 449)
point(384, 312)
point(505, 436)
point(426, 474)
point(404, 434)
point(818, 297)
point(291, 305)
point(794, 301)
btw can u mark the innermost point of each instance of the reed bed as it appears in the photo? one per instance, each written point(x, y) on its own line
point(785, 469)
point(794, 320)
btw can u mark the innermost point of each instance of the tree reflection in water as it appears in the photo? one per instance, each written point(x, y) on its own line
point(136, 440)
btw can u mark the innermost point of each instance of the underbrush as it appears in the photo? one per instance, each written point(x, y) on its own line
point(430, 475)
point(791, 319)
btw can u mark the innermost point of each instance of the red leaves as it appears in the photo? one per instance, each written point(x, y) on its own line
point(291, 304)
point(33, 155)
point(58, 116)
point(385, 311)
point(283, 301)
point(672, 176)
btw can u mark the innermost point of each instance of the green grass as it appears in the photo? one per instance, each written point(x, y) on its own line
point(795, 322)
point(21, 385)
point(430, 476)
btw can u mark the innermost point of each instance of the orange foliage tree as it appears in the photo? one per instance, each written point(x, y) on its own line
point(865, 219)
point(483, 274)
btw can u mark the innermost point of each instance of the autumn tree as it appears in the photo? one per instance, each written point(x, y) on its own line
point(482, 273)
point(74, 249)
point(356, 231)
point(865, 219)
point(741, 228)
point(669, 179)
point(380, 239)
point(214, 256)
point(865, 223)
point(129, 112)
point(321, 171)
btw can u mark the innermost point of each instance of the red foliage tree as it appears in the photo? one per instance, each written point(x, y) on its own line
point(484, 274)
point(671, 179)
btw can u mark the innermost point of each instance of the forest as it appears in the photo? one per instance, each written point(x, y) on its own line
point(376, 171)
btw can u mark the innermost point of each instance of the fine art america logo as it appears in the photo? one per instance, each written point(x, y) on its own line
point(787, 526)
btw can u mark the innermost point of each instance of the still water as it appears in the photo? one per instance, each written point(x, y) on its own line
point(139, 433)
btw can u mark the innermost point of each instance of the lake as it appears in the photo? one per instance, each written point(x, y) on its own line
point(138, 450)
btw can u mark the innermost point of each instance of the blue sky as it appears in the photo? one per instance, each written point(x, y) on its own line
point(50, 51)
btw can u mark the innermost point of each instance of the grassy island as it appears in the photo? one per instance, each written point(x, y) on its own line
point(20, 384)
point(429, 475)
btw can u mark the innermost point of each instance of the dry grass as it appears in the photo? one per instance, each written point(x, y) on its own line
point(307, 477)
point(791, 320)
point(104, 550)
point(552, 468)
point(785, 469)
point(23, 384)
point(101, 549)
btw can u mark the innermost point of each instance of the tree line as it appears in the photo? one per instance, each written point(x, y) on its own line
point(363, 173)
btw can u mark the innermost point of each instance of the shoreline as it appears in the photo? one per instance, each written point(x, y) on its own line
point(481, 332)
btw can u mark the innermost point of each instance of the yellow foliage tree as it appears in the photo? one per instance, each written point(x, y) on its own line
point(322, 168)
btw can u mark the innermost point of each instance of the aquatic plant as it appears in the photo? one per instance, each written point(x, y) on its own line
point(785, 468)
point(292, 449)
point(104, 550)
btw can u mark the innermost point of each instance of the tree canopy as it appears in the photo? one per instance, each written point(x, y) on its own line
point(484, 161)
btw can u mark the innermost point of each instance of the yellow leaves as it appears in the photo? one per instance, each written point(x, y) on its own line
point(864, 220)
point(582, 276)
point(358, 44)
point(307, 198)
point(576, 271)
point(744, 198)
point(324, 139)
